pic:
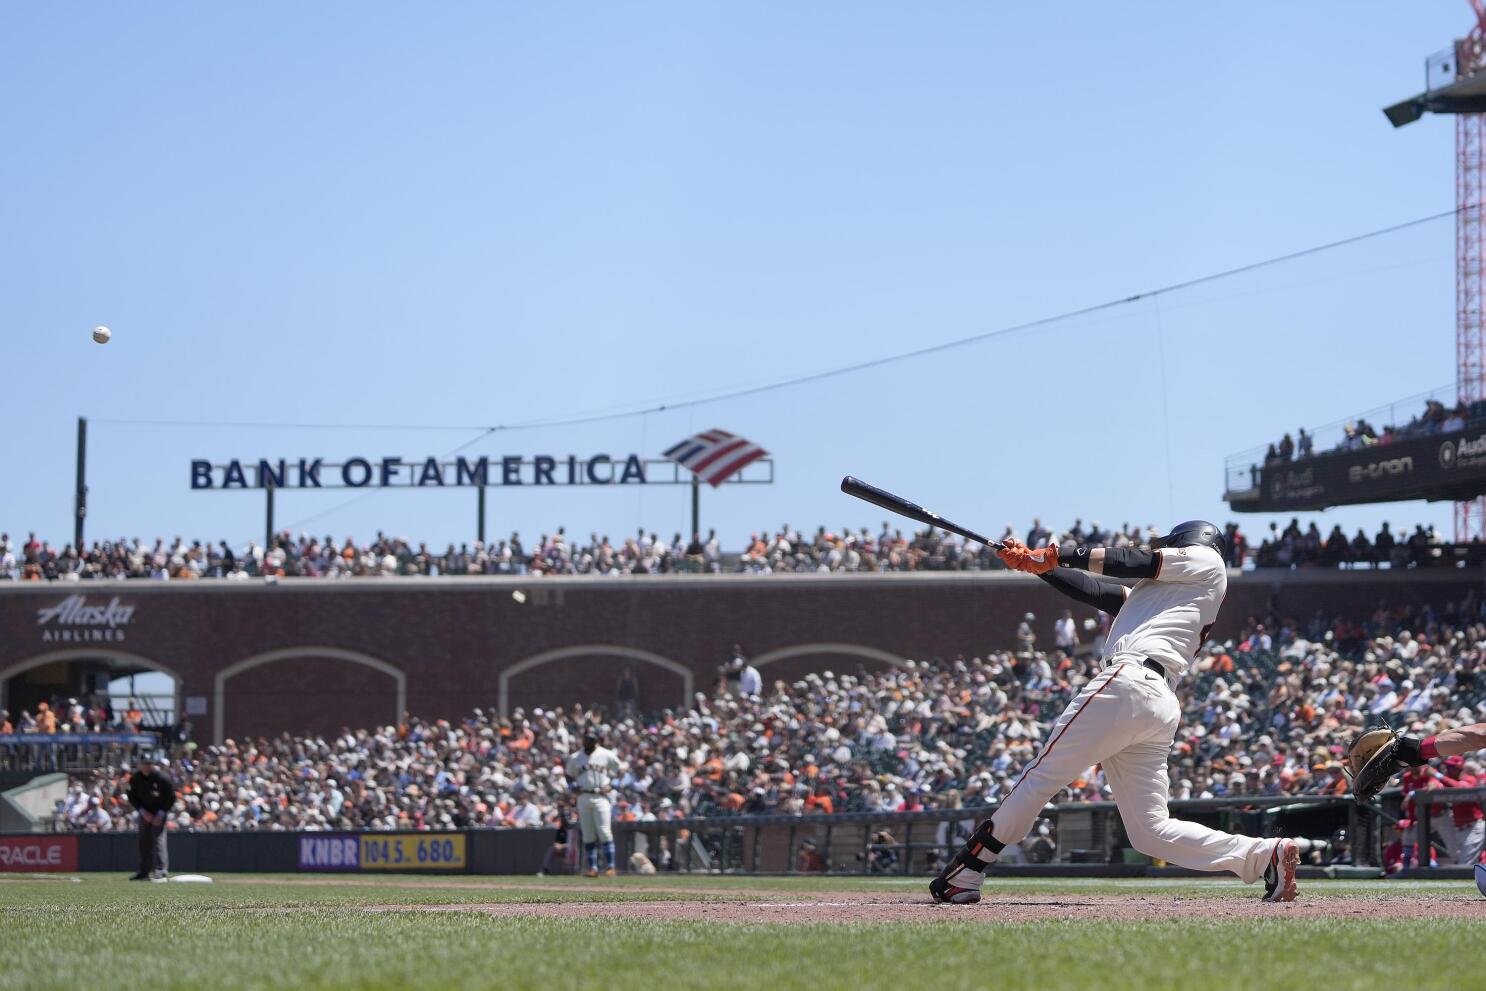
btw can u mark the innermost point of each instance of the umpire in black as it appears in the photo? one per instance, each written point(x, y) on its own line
point(152, 795)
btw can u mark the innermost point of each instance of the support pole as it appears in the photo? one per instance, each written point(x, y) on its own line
point(480, 517)
point(696, 503)
point(1470, 282)
point(80, 497)
point(268, 523)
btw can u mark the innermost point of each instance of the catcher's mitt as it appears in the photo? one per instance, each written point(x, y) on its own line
point(1374, 758)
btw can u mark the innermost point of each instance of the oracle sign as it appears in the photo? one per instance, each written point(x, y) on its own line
point(38, 853)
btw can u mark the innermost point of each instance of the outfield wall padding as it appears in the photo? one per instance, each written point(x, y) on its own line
point(487, 851)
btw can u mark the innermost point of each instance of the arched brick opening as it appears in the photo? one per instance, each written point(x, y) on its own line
point(790, 664)
point(299, 689)
point(120, 660)
point(590, 674)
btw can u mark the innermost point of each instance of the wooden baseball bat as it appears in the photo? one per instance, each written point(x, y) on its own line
point(897, 504)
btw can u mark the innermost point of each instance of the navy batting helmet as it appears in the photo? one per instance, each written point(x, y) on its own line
point(1194, 533)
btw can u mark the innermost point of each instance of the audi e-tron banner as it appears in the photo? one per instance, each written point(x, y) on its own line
point(1442, 466)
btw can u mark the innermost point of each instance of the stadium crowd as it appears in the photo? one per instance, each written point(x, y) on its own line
point(1267, 713)
point(764, 552)
point(1294, 547)
point(1436, 418)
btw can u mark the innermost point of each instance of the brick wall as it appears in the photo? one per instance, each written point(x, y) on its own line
point(452, 639)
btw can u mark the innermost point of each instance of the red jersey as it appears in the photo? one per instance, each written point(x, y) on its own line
point(1417, 779)
point(1465, 813)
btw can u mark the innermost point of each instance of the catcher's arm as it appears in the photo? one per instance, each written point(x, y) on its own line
point(1461, 740)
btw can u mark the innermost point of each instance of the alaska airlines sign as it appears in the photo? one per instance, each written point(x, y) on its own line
point(420, 473)
point(76, 620)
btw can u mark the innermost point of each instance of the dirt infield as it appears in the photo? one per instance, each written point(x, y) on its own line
point(854, 907)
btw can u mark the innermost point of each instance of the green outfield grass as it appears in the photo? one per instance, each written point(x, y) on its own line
point(268, 931)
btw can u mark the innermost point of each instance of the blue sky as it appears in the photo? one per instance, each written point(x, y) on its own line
point(493, 213)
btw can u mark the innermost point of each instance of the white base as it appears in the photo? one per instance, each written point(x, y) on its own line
point(190, 879)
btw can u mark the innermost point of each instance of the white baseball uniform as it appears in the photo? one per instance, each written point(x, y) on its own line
point(593, 776)
point(1464, 843)
point(1127, 716)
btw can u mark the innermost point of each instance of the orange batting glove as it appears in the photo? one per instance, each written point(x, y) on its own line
point(1019, 557)
point(1012, 553)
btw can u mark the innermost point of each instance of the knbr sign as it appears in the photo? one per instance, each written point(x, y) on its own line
point(37, 854)
point(383, 852)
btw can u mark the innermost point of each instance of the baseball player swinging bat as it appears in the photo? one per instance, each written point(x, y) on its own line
point(1126, 717)
point(853, 486)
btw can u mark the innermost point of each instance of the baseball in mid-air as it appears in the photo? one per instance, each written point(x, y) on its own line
point(101, 335)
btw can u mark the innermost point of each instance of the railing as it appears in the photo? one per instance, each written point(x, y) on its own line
point(915, 843)
point(1423, 799)
point(1401, 555)
point(1238, 476)
point(39, 753)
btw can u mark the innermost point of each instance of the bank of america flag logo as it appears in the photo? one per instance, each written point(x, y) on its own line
point(715, 456)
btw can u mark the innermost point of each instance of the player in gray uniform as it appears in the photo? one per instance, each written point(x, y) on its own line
point(591, 772)
point(1127, 716)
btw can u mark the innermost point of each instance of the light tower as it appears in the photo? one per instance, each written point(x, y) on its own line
point(1455, 84)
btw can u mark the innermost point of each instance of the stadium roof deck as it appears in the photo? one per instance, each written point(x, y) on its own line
point(1328, 436)
point(1429, 463)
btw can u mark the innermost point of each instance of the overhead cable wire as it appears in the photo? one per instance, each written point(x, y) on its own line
point(861, 366)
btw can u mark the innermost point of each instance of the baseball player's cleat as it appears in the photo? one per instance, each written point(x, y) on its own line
point(611, 872)
point(969, 865)
point(949, 894)
point(1279, 876)
point(591, 872)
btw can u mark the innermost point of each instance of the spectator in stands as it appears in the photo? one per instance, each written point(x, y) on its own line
point(750, 682)
point(627, 692)
point(524, 814)
point(1065, 633)
point(785, 551)
point(1026, 637)
point(1384, 543)
point(1337, 549)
